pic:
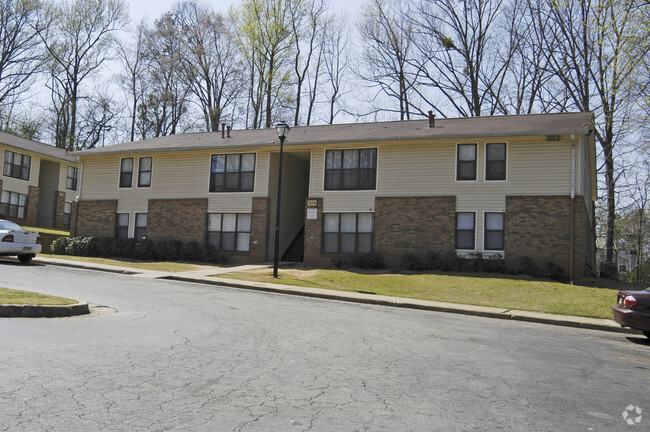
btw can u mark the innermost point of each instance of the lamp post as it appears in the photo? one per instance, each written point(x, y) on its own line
point(283, 130)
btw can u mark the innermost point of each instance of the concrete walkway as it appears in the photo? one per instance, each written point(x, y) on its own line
point(209, 275)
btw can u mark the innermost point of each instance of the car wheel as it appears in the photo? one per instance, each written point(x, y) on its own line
point(25, 258)
point(647, 334)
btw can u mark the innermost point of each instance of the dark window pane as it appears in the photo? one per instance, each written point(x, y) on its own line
point(247, 180)
point(218, 182)
point(348, 243)
point(228, 241)
point(214, 238)
point(465, 240)
point(330, 243)
point(365, 243)
point(495, 170)
point(333, 179)
point(466, 170)
point(232, 180)
point(145, 179)
point(350, 179)
point(494, 240)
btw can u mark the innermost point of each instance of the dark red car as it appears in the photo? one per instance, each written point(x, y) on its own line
point(633, 310)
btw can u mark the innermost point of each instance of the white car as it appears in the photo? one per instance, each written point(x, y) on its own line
point(17, 241)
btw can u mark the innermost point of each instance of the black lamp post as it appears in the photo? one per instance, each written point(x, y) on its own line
point(283, 130)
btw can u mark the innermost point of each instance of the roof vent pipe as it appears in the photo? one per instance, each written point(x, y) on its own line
point(432, 119)
point(223, 130)
point(228, 131)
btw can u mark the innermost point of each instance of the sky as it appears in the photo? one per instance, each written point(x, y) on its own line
point(152, 9)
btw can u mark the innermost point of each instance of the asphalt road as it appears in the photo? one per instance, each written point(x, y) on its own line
point(191, 357)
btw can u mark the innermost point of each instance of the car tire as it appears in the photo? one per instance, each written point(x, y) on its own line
point(647, 334)
point(25, 259)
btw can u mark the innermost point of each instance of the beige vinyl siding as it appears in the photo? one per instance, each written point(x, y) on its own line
point(534, 167)
point(175, 175)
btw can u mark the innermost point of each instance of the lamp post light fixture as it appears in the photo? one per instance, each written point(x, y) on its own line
point(283, 130)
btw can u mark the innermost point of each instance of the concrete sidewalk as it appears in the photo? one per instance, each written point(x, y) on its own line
point(209, 275)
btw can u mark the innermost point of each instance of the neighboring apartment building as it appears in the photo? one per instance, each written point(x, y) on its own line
point(38, 183)
point(510, 186)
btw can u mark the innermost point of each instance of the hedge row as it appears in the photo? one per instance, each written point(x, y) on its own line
point(451, 262)
point(146, 250)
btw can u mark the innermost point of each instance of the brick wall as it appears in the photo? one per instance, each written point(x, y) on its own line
point(94, 218)
point(178, 219)
point(313, 232)
point(414, 224)
point(31, 218)
point(58, 216)
point(259, 229)
point(539, 227)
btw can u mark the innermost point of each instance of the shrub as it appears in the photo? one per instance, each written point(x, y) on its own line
point(80, 246)
point(523, 265)
point(60, 245)
point(192, 251)
point(410, 262)
point(555, 272)
point(369, 261)
point(431, 261)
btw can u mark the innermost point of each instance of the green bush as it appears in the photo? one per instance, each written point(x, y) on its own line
point(410, 262)
point(145, 249)
point(366, 261)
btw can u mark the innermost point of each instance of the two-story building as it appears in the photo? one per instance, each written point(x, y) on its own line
point(38, 183)
point(511, 186)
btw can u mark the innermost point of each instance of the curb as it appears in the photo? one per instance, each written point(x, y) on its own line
point(51, 311)
point(373, 299)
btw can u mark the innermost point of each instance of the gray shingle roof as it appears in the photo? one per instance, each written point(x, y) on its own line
point(495, 126)
point(27, 145)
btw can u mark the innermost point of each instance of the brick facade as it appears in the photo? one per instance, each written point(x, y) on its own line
point(259, 229)
point(538, 227)
point(414, 224)
point(31, 218)
point(60, 207)
point(313, 234)
point(178, 219)
point(94, 218)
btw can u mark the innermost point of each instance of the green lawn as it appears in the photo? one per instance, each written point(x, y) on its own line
point(15, 297)
point(501, 291)
point(166, 266)
point(48, 231)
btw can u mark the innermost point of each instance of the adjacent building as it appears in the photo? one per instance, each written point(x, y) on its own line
point(38, 184)
point(507, 186)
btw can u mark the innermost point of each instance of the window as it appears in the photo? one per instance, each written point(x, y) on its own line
point(16, 165)
point(347, 232)
point(144, 171)
point(354, 169)
point(13, 205)
point(122, 226)
point(67, 213)
point(232, 173)
point(126, 172)
point(495, 161)
point(71, 179)
point(465, 230)
point(229, 231)
point(494, 232)
point(140, 226)
point(466, 162)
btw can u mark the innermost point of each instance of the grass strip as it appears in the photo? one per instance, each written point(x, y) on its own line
point(163, 266)
point(502, 291)
point(17, 297)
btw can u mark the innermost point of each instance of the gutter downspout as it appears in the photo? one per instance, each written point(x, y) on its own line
point(572, 209)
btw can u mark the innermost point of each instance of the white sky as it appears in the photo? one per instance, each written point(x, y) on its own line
point(152, 9)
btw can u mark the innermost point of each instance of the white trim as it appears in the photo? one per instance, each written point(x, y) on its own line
point(492, 251)
point(119, 173)
point(137, 174)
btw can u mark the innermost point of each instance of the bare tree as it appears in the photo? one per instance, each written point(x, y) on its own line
point(20, 59)
point(132, 78)
point(78, 36)
point(461, 54)
point(336, 62)
point(212, 63)
point(387, 51)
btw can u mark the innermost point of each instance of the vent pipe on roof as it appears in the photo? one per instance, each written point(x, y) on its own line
point(223, 130)
point(228, 131)
point(432, 119)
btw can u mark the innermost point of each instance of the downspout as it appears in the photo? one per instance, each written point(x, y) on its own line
point(572, 209)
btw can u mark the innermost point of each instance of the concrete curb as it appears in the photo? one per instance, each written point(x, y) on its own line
point(482, 311)
point(50, 311)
